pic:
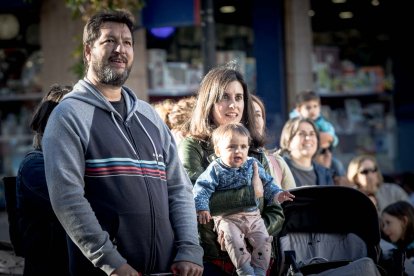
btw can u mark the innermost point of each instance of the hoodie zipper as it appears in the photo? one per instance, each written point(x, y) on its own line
point(153, 254)
point(135, 150)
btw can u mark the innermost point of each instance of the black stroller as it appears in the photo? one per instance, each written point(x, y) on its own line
point(328, 230)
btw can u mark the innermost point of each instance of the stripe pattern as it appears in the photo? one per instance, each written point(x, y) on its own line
point(124, 166)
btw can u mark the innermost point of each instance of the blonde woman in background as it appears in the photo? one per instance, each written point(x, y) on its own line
point(181, 112)
point(278, 168)
point(164, 108)
point(365, 174)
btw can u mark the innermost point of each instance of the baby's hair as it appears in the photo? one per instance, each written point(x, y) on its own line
point(228, 130)
point(306, 96)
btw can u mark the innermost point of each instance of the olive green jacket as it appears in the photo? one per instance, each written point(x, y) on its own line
point(196, 155)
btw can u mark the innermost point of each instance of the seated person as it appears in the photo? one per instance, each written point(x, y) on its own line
point(364, 173)
point(398, 225)
point(299, 143)
point(324, 156)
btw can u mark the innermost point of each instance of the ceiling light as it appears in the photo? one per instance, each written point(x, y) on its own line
point(338, 1)
point(227, 9)
point(9, 26)
point(375, 3)
point(162, 32)
point(346, 15)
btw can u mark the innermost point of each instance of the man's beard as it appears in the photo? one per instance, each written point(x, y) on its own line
point(108, 75)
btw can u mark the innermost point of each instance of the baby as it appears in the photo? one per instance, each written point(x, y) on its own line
point(232, 170)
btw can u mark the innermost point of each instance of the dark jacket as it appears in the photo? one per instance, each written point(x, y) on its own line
point(196, 155)
point(43, 238)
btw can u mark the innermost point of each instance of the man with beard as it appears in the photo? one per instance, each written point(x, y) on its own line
point(114, 177)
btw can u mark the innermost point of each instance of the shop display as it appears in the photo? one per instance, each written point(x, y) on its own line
point(20, 91)
point(335, 76)
point(358, 100)
point(365, 124)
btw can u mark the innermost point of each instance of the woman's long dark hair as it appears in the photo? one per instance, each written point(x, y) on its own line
point(211, 90)
point(43, 111)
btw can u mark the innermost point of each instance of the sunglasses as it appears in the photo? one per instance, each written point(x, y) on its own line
point(325, 150)
point(367, 171)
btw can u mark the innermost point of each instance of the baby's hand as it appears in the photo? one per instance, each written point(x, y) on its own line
point(284, 196)
point(203, 217)
point(257, 182)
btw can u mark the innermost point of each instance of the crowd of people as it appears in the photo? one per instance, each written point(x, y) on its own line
point(185, 187)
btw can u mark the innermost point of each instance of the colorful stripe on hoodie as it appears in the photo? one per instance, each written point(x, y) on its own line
point(124, 166)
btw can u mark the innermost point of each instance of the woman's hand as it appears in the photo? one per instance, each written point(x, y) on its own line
point(257, 182)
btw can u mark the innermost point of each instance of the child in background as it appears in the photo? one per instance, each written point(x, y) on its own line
point(231, 170)
point(308, 105)
point(398, 225)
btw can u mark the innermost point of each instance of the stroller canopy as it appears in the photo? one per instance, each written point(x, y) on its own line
point(333, 209)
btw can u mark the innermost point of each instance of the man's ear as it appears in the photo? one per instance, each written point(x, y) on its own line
point(87, 53)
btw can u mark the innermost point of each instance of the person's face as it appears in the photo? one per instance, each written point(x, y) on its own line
point(393, 227)
point(324, 155)
point(310, 109)
point(229, 109)
point(258, 115)
point(304, 143)
point(367, 177)
point(111, 56)
point(233, 150)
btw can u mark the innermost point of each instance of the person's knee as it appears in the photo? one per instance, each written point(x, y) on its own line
point(262, 251)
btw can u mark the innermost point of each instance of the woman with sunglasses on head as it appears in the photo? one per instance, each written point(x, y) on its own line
point(364, 173)
point(299, 143)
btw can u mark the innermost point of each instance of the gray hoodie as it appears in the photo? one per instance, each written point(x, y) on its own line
point(117, 186)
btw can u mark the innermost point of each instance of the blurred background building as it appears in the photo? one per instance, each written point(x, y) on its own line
point(356, 53)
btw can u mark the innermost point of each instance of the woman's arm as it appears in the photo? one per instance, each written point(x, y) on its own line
point(192, 154)
point(273, 218)
point(287, 182)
